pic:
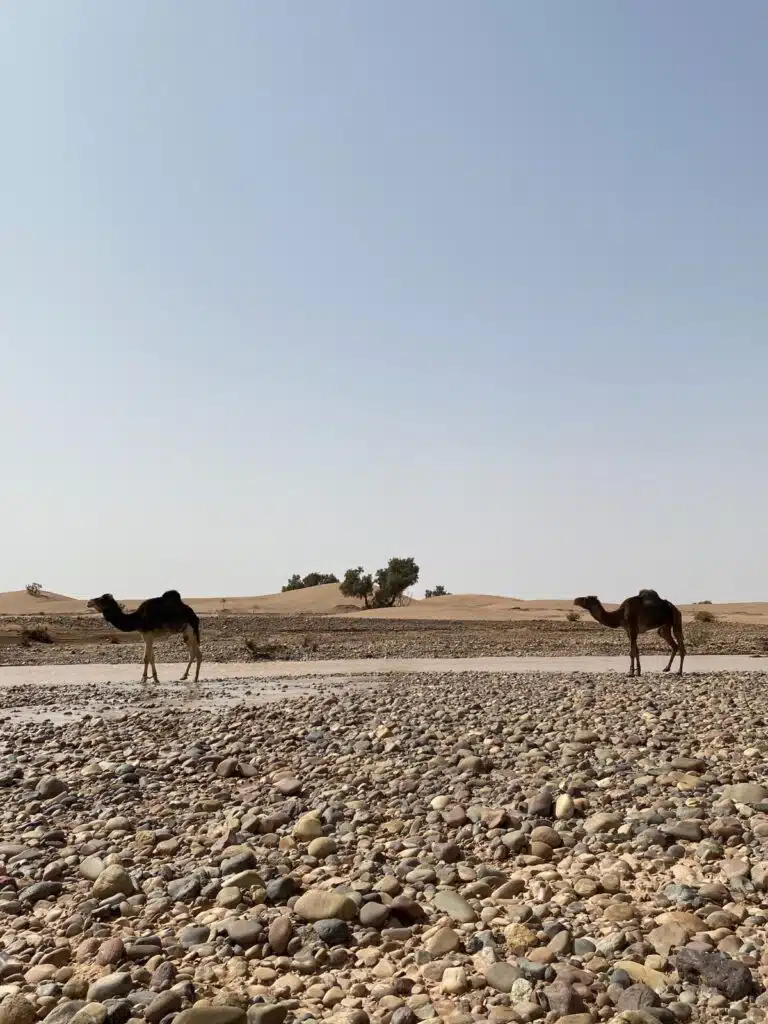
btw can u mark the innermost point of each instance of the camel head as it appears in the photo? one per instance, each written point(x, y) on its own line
point(587, 603)
point(101, 603)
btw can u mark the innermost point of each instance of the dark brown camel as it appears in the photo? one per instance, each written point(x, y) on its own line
point(640, 614)
point(157, 617)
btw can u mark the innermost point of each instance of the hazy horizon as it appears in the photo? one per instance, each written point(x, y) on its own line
point(295, 287)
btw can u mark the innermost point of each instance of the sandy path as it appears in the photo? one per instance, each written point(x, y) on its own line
point(15, 675)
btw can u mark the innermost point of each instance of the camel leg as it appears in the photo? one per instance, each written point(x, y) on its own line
point(151, 646)
point(194, 652)
point(634, 654)
point(146, 660)
point(665, 632)
point(677, 628)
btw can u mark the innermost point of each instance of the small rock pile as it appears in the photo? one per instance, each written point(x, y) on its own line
point(500, 848)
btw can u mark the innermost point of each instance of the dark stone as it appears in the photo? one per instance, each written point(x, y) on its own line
point(181, 889)
point(403, 1015)
point(118, 1011)
point(409, 911)
point(40, 891)
point(280, 890)
point(731, 977)
point(333, 931)
point(480, 940)
point(240, 862)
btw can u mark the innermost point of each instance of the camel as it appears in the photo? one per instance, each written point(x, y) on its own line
point(640, 614)
point(159, 616)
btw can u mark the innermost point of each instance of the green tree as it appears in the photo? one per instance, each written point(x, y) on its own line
point(439, 591)
point(294, 583)
point(358, 583)
point(394, 580)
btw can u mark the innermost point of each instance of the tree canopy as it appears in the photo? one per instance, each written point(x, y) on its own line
point(383, 588)
point(312, 579)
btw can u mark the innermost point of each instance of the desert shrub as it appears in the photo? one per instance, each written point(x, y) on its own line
point(263, 651)
point(34, 589)
point(704, 616)
point(310, 645)
point(572, 615)
point(312, 579)
point(36, 635)
point(439, 591)
point(702, 602)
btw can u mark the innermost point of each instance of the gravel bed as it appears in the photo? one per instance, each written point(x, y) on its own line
point(459, 848)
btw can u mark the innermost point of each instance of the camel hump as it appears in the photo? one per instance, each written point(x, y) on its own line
point(172, 595)
point(649, 595)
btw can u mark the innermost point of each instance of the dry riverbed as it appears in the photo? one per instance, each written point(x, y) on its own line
point(78, 639)
point(458, 847)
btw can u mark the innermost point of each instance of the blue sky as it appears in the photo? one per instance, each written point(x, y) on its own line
point(302, 285)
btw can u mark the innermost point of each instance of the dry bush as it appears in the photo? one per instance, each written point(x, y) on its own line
point(310, 645)
point(36, 635)
point(263, 652)
point(704, 616)
point(572, 616)
point(34, 589)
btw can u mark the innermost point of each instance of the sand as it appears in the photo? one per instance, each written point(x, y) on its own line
point(328, 600)
point(69, 674)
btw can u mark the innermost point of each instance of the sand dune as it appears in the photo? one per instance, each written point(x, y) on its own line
point(328, 600)
point(19, 602)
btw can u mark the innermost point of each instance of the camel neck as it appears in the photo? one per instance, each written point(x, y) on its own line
point(125, 621)
point(606, 618)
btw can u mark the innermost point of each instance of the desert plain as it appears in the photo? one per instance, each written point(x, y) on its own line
point(458, 810)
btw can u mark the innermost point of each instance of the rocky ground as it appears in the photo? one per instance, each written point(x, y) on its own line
point(459, 848)
point(84, 639)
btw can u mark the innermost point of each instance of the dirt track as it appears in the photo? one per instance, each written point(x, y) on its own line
point(61, 693)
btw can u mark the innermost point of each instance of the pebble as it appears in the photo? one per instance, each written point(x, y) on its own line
point(319, 905)
point(16, 1009)
point(110, 986)
point(453, 904)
